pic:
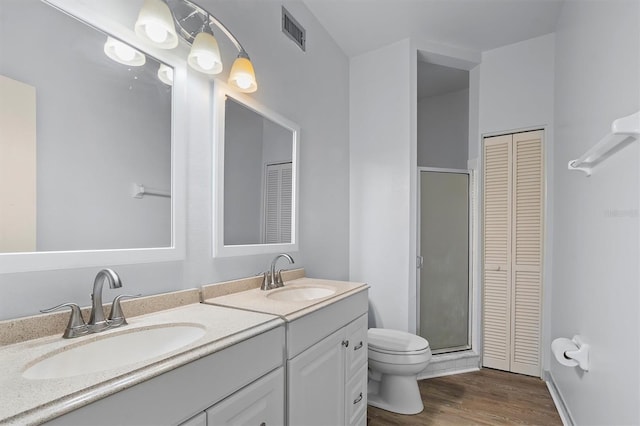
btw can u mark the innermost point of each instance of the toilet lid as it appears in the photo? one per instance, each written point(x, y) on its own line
point(395, 341)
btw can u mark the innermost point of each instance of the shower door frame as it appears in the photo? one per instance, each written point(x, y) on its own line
point(420, 259)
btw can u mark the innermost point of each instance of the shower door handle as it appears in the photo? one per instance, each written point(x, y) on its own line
point(420, 262)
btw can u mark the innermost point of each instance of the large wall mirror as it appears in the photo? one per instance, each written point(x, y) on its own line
point(87, 166)
point(256, 162)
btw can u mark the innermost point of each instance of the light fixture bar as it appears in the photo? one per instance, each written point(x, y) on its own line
point(242, 75)
point(194, 26)
point(212, 19)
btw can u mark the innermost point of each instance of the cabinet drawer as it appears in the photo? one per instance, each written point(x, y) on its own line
point(356, 396)
point(357, 353)
point(304, 332)
point(260, 403)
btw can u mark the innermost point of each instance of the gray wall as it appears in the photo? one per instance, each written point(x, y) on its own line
point(595, 250)
point(443, 130)
point(309, 88)
point(383, 169)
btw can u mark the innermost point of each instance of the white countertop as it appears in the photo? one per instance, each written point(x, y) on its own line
point(26, 401)
point(257, 300)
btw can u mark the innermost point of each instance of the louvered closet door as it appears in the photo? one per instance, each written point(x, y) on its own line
point(527, 253)
point(497, 254)
point(512, 235)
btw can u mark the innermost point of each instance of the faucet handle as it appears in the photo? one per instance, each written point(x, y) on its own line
point(76, 326)
point(266, 281)
point(278, 279)
point(116, 316)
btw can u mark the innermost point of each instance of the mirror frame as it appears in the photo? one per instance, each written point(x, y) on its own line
point(42, 261)
point(221, 92)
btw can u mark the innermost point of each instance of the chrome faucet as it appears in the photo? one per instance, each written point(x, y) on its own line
point(97, 321)
point(272, 279)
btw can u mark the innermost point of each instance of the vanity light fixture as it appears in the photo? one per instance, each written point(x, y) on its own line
point(165, 74)
point(242, 75)
point(123, 53)
point(194, 25)
point(155, 24)
point(205, 54)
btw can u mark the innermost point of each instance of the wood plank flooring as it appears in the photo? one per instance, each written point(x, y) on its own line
point(485, 397)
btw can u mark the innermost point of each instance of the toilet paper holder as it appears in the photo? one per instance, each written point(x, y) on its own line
point(574, 349)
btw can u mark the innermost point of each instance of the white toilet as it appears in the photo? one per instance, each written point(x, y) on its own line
point(395, 359)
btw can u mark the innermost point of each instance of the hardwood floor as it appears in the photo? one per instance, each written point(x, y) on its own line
point(485, 397)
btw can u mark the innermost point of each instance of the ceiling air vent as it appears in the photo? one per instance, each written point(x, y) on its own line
point(293, 29)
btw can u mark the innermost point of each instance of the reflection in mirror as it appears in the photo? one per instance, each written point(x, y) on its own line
point(79, 131)
point(256, 177)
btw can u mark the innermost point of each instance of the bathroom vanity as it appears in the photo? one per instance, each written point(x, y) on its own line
point(295, 355)
point(230, 385)
point(326, 353)
point(165, 388)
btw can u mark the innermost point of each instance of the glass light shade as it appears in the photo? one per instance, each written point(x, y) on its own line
point(123, 53)
point(205, 54)
point(155, 24)
point(242, 77)
point(165, 74)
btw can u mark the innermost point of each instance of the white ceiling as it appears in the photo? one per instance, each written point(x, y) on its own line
point(360, 26)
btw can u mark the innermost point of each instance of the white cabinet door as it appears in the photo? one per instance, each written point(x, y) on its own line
point(316, 383)
point(260, 403)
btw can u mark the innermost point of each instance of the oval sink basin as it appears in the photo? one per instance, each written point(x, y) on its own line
point(300, 294)
point(114, 351)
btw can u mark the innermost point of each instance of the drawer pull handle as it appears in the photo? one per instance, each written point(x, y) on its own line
point(358, 346)
point(345, 343)
point(263, 424)
point(358, 399)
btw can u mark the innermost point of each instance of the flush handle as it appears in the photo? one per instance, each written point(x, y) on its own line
point(358, 346)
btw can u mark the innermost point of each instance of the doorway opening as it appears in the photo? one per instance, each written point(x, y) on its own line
point(444, 208)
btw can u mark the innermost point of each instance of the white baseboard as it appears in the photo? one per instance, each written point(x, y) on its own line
point(564, 413)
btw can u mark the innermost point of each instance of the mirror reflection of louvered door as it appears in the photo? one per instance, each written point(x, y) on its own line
point(278, 203)
point(512, 252)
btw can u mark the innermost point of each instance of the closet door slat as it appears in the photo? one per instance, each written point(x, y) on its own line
point(497, 255)
point(526, 268)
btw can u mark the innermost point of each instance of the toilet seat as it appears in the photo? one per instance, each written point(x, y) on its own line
point(399, 359)
point(395, 342)
point(388, 352)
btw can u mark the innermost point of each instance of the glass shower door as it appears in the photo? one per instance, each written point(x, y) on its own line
point(443, 316)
